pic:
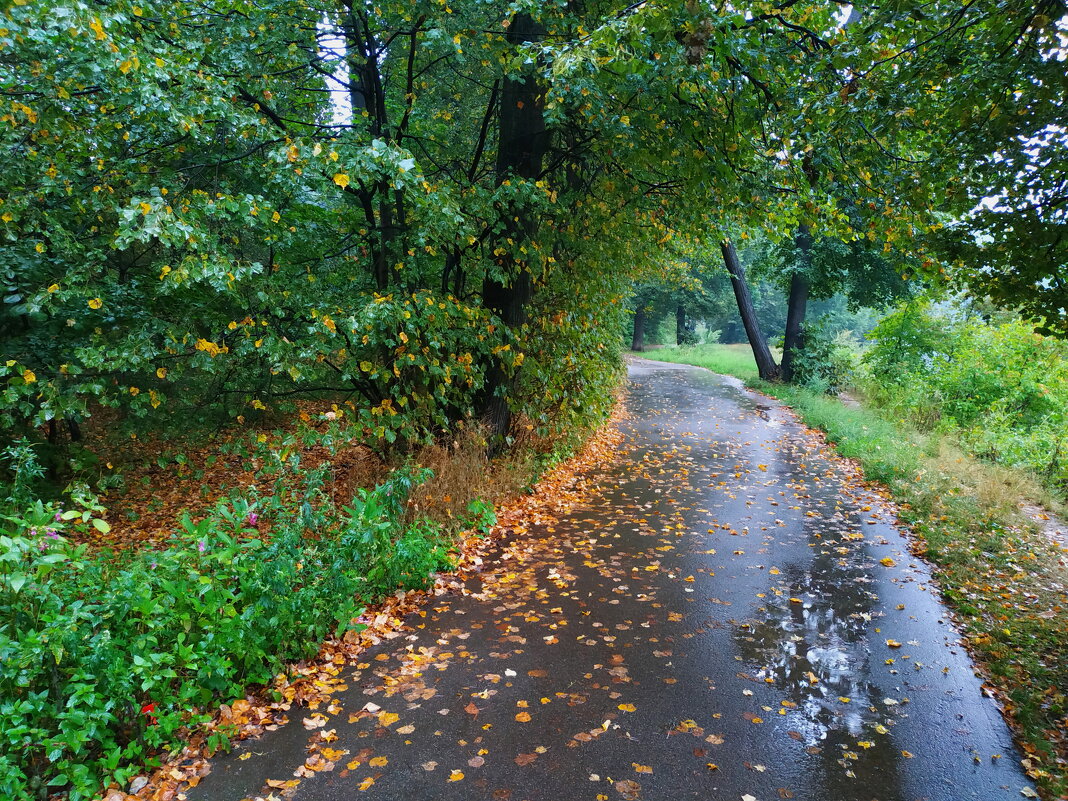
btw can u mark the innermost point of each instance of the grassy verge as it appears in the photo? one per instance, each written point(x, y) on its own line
point(1003, 577)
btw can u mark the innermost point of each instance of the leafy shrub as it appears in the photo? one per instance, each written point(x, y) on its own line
point(825, 364)
point(1002, 388)
point(105, 661)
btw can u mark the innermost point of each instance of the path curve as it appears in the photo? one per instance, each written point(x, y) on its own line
point(728, 616)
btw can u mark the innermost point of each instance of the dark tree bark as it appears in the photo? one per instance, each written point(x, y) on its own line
point(796, 306)
point(522, 142)
point(766, 366)
point(680, 325)
point(637, 341)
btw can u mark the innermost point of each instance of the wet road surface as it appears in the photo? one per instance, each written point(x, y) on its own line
point(728, 616)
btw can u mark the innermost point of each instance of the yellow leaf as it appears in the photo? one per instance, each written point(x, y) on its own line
point(125, 66)
point(887, 561)
point(341, 179)
point(145, 207)
point(95, 303)
point(39, 248)
point(628, 708)
point(378, 762)
point(641, 768)
point(98, 29)
point(366, 783)
point(28, 376)
point(456, 776)
point(53, 288)
point(523, 717)
point(388, 718)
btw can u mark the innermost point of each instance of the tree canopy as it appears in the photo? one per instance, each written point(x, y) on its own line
point(431, 208)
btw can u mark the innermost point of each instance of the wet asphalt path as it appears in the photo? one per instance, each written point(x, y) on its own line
point(728, 617)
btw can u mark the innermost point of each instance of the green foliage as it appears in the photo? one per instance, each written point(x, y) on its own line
point(1002, 388)
point(825, 363)
point(105, 661)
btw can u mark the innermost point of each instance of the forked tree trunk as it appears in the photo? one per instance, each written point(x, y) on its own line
point(521, 151)
point(796, 306)
point(766, 366)
point(637, 340)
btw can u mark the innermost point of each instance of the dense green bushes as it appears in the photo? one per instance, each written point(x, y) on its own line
point(999, 387)
point(104, 659)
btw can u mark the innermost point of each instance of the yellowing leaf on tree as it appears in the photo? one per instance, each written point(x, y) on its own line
point(341, 179)
point(28, 376)
point(98, 29)
point(95, 303)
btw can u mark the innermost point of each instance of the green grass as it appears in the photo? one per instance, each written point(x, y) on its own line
point(998, 573)
point(729, 359)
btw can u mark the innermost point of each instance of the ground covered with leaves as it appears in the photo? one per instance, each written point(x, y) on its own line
point(726, 610)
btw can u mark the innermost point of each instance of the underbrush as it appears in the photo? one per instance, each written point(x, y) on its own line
point(105, 660)
point(115, 646)
point(1005, 580)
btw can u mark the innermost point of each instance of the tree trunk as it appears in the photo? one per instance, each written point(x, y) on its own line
point(521, 150)
point(766, 366)
point(680, 325)
point(637, 341)
point(796, 306)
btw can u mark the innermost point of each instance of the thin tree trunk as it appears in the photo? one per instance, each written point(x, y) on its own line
point(796, 306)
point(680, 325)
point(637, 341)
point(766, 366)
point(521, 151)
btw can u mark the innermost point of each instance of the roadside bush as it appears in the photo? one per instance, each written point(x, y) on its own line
point(825, 363)
point(103, 662)
point(1001, 388)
